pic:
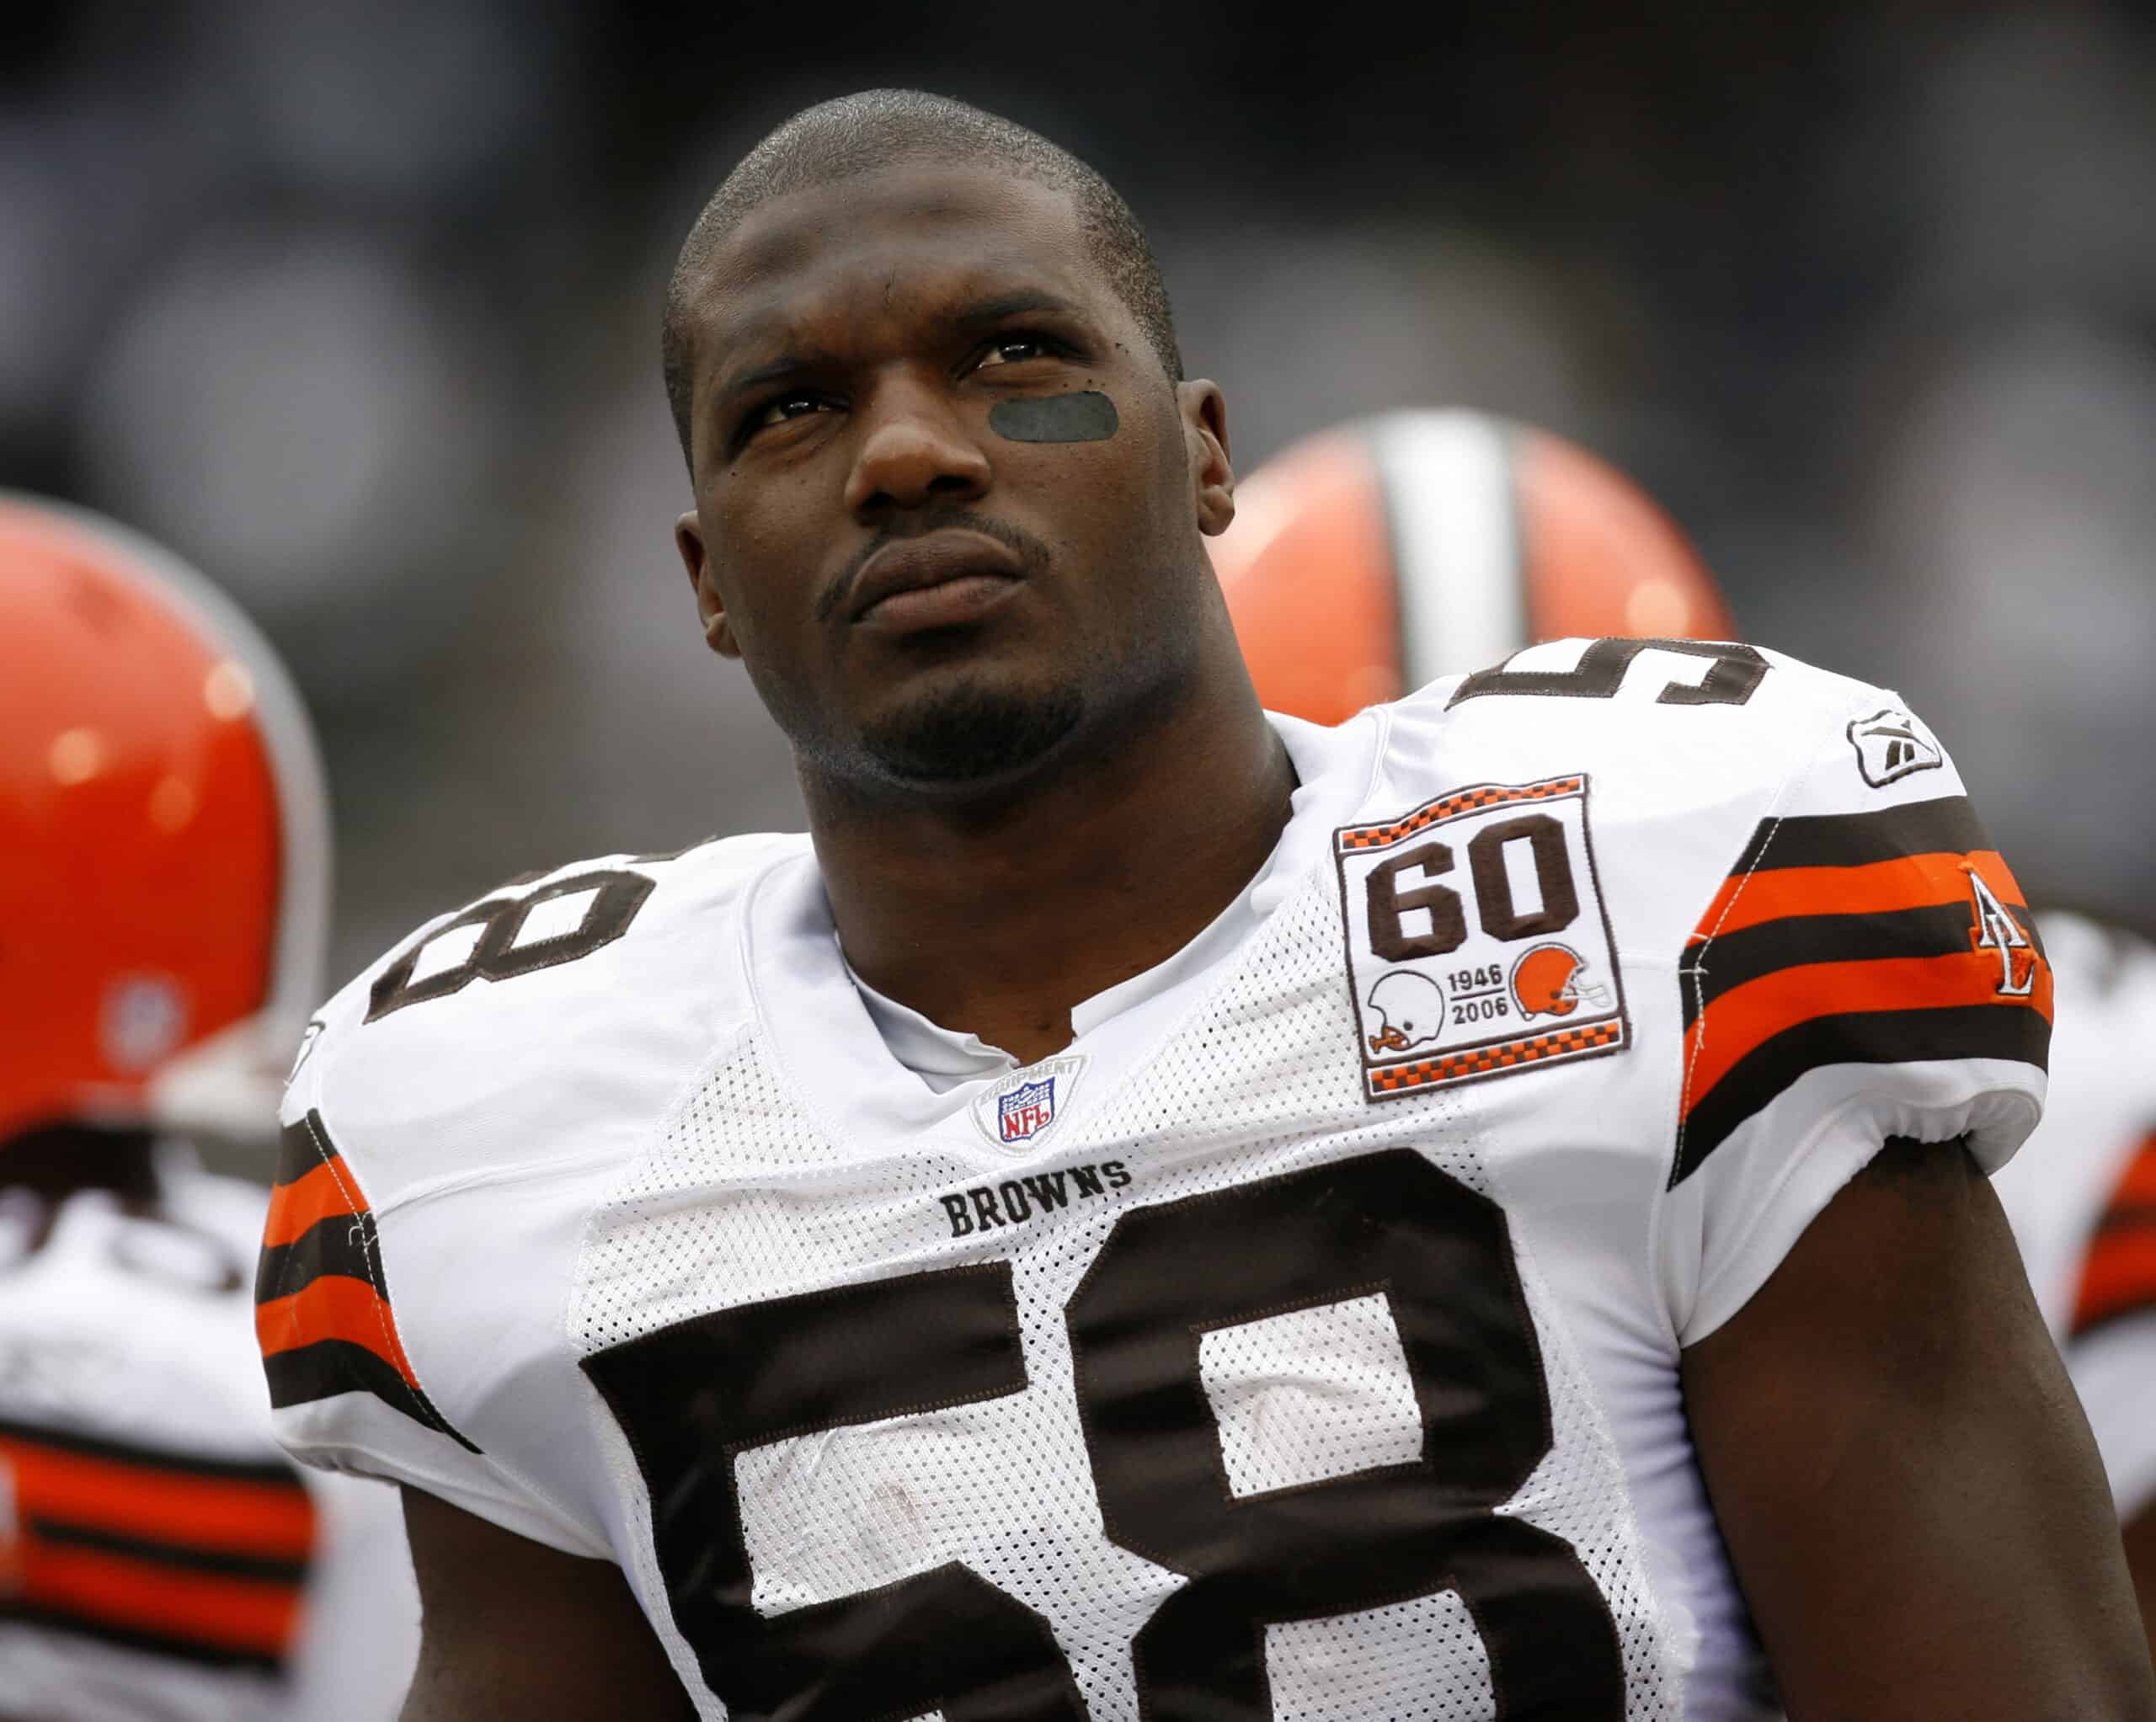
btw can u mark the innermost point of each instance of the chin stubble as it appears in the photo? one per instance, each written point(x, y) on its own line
point(969, 735)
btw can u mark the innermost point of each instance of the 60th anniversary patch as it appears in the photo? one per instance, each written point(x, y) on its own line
point(1477, 943)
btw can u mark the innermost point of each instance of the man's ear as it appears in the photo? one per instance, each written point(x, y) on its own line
point(710, 608)
point(1205, 439)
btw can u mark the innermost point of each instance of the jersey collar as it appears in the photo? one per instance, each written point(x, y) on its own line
point(868, 1067)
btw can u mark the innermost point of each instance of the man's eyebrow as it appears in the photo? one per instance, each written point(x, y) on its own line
point(770, 370)
point(997, 307)
point(979, 313)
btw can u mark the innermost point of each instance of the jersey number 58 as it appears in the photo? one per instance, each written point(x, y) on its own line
point(694, 1396)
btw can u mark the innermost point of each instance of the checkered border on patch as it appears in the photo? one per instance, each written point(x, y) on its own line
point(1352, 838)
point(1483, 1061)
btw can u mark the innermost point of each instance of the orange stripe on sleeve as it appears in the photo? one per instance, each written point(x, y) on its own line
point(328, 1190)
point(254, 1615)
point(335, 1306)
point(270, 1520)
point(1746, 1015)
point(1878, 887)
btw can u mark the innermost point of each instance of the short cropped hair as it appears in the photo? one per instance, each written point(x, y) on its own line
point(859, 134)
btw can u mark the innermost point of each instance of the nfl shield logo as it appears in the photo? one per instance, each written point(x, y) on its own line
point(1027, 1110)
point(1017, 1112)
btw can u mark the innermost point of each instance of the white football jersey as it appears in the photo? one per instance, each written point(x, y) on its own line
point(2082, 1200)
point(1302, 1341)
point(160, 1559)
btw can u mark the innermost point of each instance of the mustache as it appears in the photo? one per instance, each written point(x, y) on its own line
point(1030, 551)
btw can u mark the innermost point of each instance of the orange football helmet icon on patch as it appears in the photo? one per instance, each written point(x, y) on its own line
point(1547, 983)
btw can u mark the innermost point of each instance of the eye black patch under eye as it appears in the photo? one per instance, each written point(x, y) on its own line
point(1087, 416)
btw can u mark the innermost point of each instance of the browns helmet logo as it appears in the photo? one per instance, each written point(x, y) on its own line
point(1411, 1009)
point(1547, 983)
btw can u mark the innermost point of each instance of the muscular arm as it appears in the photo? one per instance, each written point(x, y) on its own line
point(513, 1631)
point(2140, 1561)
point(1910, 1495)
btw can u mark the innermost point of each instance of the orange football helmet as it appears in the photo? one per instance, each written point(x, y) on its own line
point(1375, 556)
point(165, 844)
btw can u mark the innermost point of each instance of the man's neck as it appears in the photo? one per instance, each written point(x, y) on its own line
point(999, 920)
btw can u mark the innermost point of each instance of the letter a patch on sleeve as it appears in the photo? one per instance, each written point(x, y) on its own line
point(322, 1309)
point(1477, 943)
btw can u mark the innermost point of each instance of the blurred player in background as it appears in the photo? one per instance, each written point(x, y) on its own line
point(1374, 556)
point(165, 853)
point(1368, 560)
point(2082, 1197)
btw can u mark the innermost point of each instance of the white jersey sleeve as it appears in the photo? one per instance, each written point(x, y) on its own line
point(1866, 967)
point(454, 1115)
point(347, 1394)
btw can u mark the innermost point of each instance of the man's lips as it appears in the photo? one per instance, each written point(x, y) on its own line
point(937, 580)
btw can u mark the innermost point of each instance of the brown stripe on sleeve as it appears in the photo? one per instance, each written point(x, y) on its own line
point(1945, 823)
point(1759, 951)
point(1856, 1037)
point(323, 1369)
point(302, 1148)
point(339, 1244)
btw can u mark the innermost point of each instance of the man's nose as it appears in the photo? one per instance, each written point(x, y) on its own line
point(915, 452)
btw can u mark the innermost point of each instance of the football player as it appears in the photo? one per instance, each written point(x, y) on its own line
point(163, 880)
point(990, 1258)
point(1361, 557)
point(2083, 1203)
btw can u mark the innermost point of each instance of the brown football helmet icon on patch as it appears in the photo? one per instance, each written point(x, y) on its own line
point(1547, 983)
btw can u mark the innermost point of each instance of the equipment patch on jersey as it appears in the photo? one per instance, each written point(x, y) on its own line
point(1891, 744)
point(1477, 943)
point(1017, 1112)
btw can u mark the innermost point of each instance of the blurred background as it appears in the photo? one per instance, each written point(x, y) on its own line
point(357, 308)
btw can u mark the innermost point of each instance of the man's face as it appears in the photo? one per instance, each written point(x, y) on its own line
point(947, 501)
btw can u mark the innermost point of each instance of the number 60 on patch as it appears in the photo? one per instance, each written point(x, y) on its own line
point(1477, 942)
